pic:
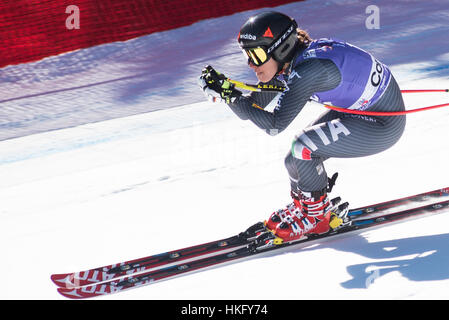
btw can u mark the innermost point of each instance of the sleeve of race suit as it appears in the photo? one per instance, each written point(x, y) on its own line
point(307, 78)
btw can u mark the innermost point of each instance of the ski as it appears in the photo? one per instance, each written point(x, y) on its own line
point(261, 243)
point(399, 203)
point(110, 272)
point(118, 270)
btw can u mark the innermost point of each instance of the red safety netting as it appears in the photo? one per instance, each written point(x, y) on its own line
point(31, 30)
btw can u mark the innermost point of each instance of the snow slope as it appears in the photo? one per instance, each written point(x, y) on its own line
point(102, 180)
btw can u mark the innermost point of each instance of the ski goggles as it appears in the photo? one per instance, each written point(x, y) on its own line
point(257, 56)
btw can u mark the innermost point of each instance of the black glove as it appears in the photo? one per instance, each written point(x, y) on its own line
point(216, 87)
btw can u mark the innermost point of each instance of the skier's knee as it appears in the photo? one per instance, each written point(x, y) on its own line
point(291, 164)
point(289, 161)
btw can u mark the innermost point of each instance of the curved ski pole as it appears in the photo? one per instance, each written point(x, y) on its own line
point(387, 114)
point(275, 88)
point(424, 90)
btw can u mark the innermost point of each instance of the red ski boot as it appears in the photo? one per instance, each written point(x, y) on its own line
point(278, 216)
point(310, 212)
point(312, 215)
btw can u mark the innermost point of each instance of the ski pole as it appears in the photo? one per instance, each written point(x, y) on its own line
point(276, 88)
point(425, 90)
point(380, 113)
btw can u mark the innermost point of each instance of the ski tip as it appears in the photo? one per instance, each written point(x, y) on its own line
point(87, 292)
point(64, 280)
point(71, 293)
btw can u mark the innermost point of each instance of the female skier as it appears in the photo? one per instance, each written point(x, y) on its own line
point(328, 71)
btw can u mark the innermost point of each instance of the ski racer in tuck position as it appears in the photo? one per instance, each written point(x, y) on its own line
point(328, 71)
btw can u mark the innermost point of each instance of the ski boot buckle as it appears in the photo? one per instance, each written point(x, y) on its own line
point(339, 217)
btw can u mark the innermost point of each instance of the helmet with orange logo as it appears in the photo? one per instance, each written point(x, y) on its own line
point(269, 34)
